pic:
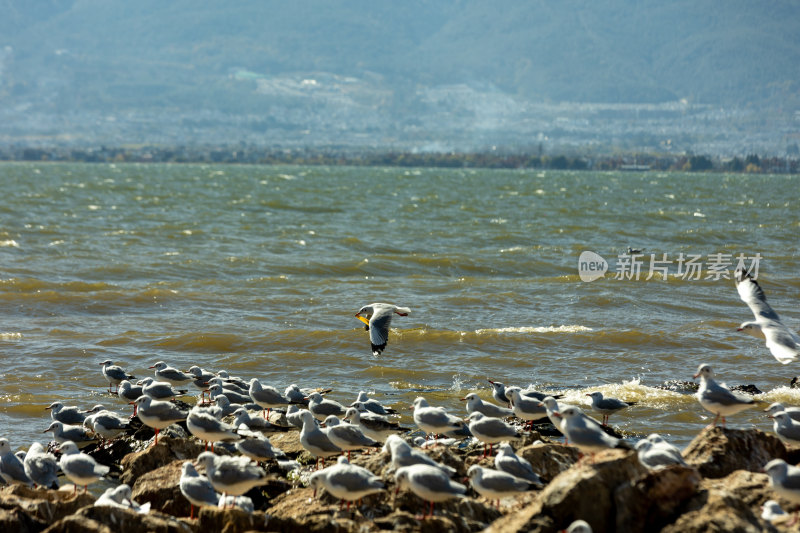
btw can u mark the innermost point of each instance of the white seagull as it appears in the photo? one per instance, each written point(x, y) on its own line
point(717, 398)
point(783, 343)
point(377, 320)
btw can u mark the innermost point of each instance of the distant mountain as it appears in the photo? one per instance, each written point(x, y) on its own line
point(292, 64)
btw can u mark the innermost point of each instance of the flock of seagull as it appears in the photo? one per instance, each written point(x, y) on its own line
point(329, 428)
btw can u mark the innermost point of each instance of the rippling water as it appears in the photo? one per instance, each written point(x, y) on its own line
point(259, 270)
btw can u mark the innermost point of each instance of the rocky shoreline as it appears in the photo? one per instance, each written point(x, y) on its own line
point(722, 489)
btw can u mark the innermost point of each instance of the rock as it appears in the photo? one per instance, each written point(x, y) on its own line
point(717, 452)
point(161, 487)
point(650, 502)
point(288, 442)
point(719, 511)
point(586, 491)
point(118, 520)
point(167, 450)
point(41, 505)
point(235, 520)
point(15, 520)
point(549, 460)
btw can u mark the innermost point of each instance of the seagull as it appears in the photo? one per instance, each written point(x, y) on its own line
point(67, 415)
point(500, 394)
point(266, 397)
point(12, 470)
point(347, 436)
point(242, 502)
point(525, 407)
point(771, 511)
point(377, 321)
point(120, 496)
point(41, 466)
point(586, 435)
point(233, 396)
point(346, 481)
point(322, 408)
point(225, 404)
point(373, 426)
point(114, 374)
point(365, 403)
point(80, 468)
point(490, 430)
point(783, 343)
point(256, 446)
point(784, 479)
point(201, 380)
point(509, 462)
point(607, 406)
point(65, 432)
point(433, 419)
point(578, 526)
point(197, 489)
point(107, 424)
point(241, 416)
point(171, 375)
point(430, 444)
point(785, 428)
point(655, 453)
point(315, 441)
point(209, 428)
point(793, 412)
point(294, 415)
point(717, 398)
point(159, 390)
point(496, 485)
point(129, 392)
point(429, 483)
point(402, 454)
point(231, 475)
point(474, 403)
point(551, 406)
point(157, 414)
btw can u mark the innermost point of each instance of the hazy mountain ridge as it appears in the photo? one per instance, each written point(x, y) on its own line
point(183, 56)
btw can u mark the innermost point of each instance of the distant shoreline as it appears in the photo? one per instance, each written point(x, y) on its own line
point(751, 163)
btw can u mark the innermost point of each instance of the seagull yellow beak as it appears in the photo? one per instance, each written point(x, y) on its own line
point(364, 320)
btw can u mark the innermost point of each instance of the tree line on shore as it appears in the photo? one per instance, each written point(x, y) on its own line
point(751, 163)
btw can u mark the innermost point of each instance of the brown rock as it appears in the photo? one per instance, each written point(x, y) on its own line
point(653, 500)
point(549, 460)
point(117, 520)
point(161, 487)
point(235, 520)
point(44, 506)
point(14, 520)
point(288, 442)
point(166, 451)
point(717, 452)
point(717, 511)
point(586, 491)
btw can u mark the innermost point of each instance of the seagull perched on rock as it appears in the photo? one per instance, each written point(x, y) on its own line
point(348, 437)
point(509, 462)
point(231, 475)
point(654, 452)
point(783, 343)
point(787, 429)
point(67, 432)
point(171, 375)
point(474, 403)
point(66, 414)
point(254, 423)
point(717, 398)
point(496, 485)
point(314, 440)
point(377, 319)
point(159, 390)
point(525, 407)
point(205, 426)
point(365, 403)
point(777, 407)
point(346, 482)
point(197, 489)
point(784, 479)
point(607, 406)
point(157, 414)
point(586, 435)
point(41, 466)
point(429, 483)
point(322, 408)
point(373, 426)
point(256, 446)
point(12, 470)
point(402, 454)
point(266, 397)
point(80, 468)
point(490, 430)
point(433, 419)
point(114, 374)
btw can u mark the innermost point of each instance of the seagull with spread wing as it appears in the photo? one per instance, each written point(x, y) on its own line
point(377, 319)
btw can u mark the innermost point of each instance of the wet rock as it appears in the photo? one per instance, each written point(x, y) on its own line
point(717, 452)
point(747, 389)
point(586, 491)
point(117, 520)
point(41, 506)
point(677, 385)
point(167, 450)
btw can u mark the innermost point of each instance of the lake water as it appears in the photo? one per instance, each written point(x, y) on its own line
point(259, 270)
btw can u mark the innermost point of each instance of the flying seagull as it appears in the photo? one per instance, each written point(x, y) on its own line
point(377, 321)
